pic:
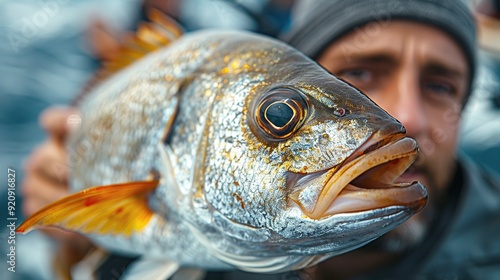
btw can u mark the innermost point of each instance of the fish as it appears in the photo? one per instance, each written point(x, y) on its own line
point(230, 150)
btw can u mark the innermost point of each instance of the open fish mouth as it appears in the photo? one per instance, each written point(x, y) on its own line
point(364, 181)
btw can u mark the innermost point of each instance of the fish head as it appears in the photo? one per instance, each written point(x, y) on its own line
point(309, 172)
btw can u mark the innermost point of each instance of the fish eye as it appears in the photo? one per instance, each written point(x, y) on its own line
point(281, 112)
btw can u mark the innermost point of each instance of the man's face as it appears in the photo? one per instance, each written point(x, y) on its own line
point(419, 75)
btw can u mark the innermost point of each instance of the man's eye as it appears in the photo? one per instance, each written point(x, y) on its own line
point(359, 75)
point(439, 88)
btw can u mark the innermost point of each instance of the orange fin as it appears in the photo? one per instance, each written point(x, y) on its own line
point(119, 209)
point(150, 36)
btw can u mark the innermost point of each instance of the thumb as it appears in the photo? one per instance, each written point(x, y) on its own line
point(58, 122)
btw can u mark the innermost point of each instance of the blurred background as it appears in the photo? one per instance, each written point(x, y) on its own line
point(480, 135)
point(47, 52)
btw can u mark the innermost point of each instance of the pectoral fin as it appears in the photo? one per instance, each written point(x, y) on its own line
point(119, 209)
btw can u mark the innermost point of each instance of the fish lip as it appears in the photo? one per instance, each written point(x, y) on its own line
point(375, 141)
point(413, 197)
point(387, 156)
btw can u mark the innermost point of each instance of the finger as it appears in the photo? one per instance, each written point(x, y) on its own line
point(60, 121)
point(31, 205)
point(37, 187)
point(49, 161)
point(38, 192)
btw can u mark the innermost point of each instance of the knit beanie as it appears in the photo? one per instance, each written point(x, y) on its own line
point(317, 23)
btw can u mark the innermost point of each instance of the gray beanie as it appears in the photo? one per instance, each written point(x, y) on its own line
point(317, 23)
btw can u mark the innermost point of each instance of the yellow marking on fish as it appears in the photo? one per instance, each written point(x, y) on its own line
point(235, 64)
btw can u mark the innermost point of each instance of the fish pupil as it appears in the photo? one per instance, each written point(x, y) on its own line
point(279, 114)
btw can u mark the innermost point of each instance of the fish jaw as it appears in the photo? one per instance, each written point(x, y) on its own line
point(363, 182)
point(339, 233)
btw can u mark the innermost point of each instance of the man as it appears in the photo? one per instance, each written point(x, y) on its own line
point(416, 59)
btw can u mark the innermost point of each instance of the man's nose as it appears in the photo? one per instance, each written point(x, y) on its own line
point(407, 103)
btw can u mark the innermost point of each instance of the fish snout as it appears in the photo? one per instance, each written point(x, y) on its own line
point(366, 180)
point(387, 126)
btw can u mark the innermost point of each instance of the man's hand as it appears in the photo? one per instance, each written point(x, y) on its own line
point(46, 169)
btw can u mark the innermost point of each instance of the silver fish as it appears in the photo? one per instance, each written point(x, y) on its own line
point(229, 149)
